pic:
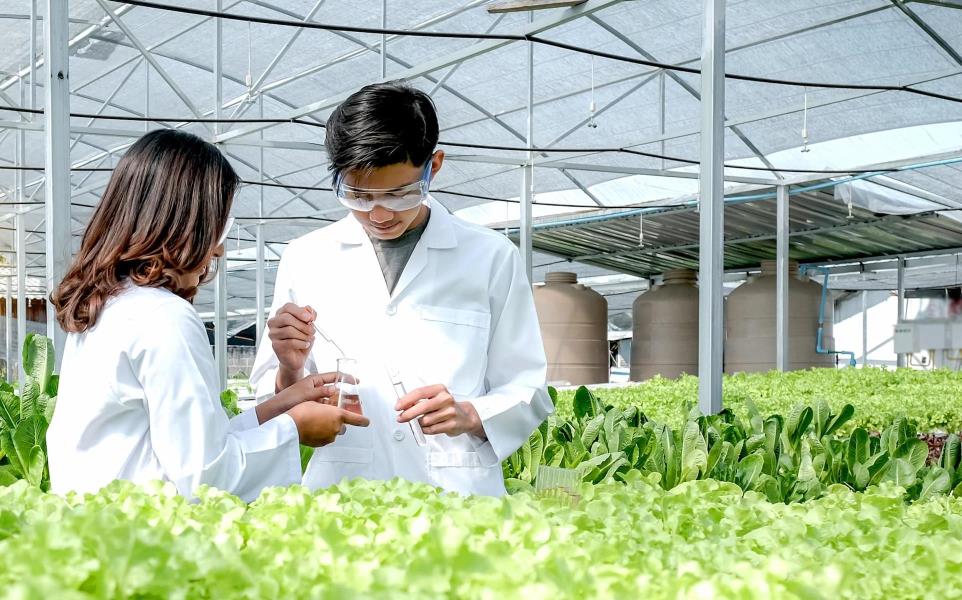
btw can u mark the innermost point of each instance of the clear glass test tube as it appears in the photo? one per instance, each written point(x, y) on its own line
point(400, 391)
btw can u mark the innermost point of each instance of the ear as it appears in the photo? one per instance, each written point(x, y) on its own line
point(436, 161)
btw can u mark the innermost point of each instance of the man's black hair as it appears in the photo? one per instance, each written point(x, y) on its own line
point(381, 124)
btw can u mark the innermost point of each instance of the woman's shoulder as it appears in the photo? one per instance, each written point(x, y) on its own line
point(149, 308)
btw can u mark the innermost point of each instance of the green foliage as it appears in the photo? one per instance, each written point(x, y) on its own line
point(228, 399)
point(791, 458)
point(24, 419)
point(365, 539)
point(877, 396)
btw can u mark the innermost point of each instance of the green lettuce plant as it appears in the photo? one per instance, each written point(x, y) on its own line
point(24, 417)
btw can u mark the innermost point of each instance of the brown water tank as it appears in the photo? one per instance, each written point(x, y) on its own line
point(665, 337)
point(574, 327)
point(750, 323)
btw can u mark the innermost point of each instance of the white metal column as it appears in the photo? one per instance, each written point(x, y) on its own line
point(711, 205)
point(900, 303)
point(8, 326)
point(527, 173)
point(33, 53)
point(383, 39)
point(661, 114)
point(864, 328)
point(146, 95)
point(220, 281)
point(20, 233)
point(260, 284)
point(260, 287)
point(57, 167)
point(781, 285)
point(220, 321)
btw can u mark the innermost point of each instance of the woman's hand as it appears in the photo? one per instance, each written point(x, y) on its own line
point(320, 424)
point(315, 388)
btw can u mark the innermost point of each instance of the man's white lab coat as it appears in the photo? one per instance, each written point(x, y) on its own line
point(462, 314)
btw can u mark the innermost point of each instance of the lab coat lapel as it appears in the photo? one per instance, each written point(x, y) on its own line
point(361, 269)
point(438, 235)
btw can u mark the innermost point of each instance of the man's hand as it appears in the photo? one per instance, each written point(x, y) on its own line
point(440, 412)
point(291, 332)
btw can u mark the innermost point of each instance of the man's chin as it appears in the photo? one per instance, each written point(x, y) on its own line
point(385, 233)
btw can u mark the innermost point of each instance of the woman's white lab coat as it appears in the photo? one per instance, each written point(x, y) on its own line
point(461, 315)
point(139, 400)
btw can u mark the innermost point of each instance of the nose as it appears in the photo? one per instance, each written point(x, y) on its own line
point(219, 251)
point(381, 215)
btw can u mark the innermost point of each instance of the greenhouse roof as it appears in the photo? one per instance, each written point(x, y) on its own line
point(131, 61)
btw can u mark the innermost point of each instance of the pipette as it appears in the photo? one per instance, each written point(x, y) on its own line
point(321, 332)
point(401, 392)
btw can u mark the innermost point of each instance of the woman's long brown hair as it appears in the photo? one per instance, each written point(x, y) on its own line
point(163, 211)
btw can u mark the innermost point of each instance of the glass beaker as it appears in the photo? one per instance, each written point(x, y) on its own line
point(348, 386)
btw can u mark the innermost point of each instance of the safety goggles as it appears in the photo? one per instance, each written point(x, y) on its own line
point(395, 199)
point(227, 228)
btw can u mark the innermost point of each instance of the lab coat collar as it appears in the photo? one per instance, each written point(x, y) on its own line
point(438, 234)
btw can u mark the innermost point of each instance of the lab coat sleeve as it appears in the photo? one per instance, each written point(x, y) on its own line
point(244, 421)
point(264, 371)
point(191, 435)
point(517, 400)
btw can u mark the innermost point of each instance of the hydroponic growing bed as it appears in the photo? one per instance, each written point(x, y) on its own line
point(812, 501)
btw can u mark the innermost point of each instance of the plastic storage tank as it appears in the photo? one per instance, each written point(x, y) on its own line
point(574, 327)
point(750, 323)
point(665, 328)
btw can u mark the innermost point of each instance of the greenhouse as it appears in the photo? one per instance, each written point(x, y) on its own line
point(480, 299)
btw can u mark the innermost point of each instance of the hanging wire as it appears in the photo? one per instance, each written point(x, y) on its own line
point(535, 149)
point(532, 38)
point(641, 230)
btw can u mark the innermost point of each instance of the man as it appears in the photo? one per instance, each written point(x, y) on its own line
point(436, 311)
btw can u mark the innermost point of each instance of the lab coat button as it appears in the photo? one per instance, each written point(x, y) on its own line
point(391, 310)
point(398, 435)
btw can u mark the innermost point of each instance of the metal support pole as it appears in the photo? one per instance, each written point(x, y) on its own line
point(33, 53)
point(220, 282)
point(383, 40)
point(781, 285)
point(14, 370)
point(8, 326)
point(527, 172)
point(220, 321)
point(21, 235)
point(259, 234)
point(260, 285)
point(218, 67)
point(900, 303)
point(864, 328)
point(57, 167)
point(661, 112)
point(711, 206)
point(146, 95)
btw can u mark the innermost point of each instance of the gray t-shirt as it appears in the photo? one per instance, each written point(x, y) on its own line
point(393, 255)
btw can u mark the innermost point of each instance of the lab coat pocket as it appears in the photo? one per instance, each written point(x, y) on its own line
point(465, 473)
point(330, 464)
point(454, 346)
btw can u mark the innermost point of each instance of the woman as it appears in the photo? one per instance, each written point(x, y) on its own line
point(139, 396)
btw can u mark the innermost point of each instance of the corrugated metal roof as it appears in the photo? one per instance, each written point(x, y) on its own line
point(821, 229)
